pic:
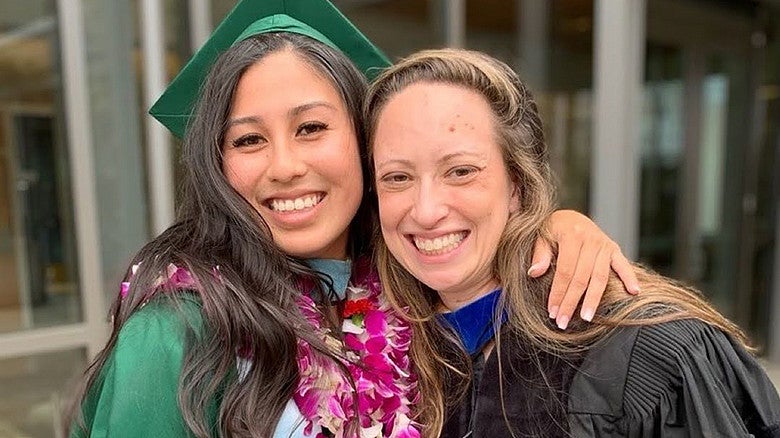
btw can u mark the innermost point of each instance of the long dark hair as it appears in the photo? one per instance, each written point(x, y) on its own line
point(246, 284)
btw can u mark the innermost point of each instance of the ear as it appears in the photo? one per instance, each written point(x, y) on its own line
point(514, 199)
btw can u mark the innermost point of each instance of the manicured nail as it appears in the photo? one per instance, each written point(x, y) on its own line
point(534, 269)
point(554, 312)
point(635, 289)
point(563, 322)
point(587, 314)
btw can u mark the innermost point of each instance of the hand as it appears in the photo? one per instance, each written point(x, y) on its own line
point(585, 256)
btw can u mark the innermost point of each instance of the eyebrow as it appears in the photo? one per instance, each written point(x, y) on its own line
point(459, 154)
point(307, 106)
point(292, 113)
point(444, 159)
point(243, 121)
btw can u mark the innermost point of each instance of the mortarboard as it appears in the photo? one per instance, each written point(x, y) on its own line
point(317, 19)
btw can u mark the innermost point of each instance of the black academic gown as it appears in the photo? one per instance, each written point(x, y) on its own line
point(677, 379)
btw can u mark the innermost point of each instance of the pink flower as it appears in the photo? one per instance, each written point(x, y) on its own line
point(353, 342)
point(377, 342)
point(375, 322)
point(124, 289)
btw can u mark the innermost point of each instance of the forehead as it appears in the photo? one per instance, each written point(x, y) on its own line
point(430, 124)
point(438, 103)
point(281, 74)
point(428, 113)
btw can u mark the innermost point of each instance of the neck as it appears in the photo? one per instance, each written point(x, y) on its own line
point(455, 298)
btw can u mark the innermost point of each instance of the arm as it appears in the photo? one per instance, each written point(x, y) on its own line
point(585, 256)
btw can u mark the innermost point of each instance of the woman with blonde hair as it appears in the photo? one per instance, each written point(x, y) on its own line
point(464, 188)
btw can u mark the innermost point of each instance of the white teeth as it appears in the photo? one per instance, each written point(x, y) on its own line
point(295, 204)
point(439, 245)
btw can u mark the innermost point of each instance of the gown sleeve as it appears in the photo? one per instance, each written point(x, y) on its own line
point(136, 393)
point(677, 379)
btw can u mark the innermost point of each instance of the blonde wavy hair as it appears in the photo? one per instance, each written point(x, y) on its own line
point(520, 135)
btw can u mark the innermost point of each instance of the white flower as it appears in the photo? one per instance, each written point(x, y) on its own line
point(374, 431)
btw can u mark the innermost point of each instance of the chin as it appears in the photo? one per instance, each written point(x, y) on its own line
point(437, 282)
point(302, 251)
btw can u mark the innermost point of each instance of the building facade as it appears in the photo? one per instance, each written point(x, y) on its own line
point(661, 115)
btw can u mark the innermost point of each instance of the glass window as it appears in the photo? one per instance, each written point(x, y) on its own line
point(661, 156)
point(701, 171)
point(398, 27)
point(38, 260)
point(550, 45)
point(764, 246)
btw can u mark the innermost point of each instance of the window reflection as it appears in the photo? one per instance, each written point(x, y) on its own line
point(38, 261)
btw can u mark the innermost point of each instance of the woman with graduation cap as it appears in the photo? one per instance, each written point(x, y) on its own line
point(259, 313)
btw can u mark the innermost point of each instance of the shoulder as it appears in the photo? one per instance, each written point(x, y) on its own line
point(682, 373)
point(136, 392)
point(162, 323)
point(633, 366)
point(677, 355)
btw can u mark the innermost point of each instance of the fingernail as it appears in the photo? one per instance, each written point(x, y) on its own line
point(563, 322)
point(534, 269)
point(635, 290)
point(587, 314)
point(553, 312)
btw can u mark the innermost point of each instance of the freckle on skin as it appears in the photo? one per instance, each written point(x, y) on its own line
point(452, 128)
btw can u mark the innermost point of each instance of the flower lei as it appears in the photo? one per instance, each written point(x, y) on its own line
point(386, 386)
point(173, 278)
point(374, 336)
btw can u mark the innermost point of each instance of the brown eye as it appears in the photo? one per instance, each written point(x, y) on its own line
point(248, 140)
point(463, 171)
point(311, 128)
point(395, 180)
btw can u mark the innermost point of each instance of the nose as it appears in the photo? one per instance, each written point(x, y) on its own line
point(286, 163)
point(430, 205)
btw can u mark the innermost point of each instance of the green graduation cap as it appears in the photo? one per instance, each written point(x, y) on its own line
point(317, 19)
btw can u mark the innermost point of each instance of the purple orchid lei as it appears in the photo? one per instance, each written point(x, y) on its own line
point(386, 386)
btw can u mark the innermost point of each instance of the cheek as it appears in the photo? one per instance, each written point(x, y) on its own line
point(345, 170)
point(240, 174)
point(344, 166)
point(391, 211)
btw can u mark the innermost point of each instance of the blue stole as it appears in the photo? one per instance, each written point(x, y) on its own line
point(474, 322)
point(338, 270)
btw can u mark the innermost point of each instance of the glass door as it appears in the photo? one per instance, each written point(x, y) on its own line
point(696, 185)
point(37, 244)
point(42, 323)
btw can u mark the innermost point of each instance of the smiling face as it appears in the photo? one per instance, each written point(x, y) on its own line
point(290, 149)
point(443, 188)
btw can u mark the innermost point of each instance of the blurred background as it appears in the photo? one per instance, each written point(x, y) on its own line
point(661, 115)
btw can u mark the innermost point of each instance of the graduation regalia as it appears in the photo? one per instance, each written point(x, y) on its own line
point(676, 379)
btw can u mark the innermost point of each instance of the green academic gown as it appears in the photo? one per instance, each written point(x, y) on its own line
point(136, 393)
